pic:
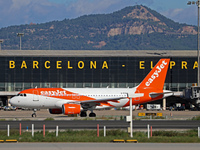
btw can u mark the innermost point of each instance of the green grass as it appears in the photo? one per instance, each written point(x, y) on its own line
point(189, 136)
point(2, 119)
point(49, 119)
point(196, 118)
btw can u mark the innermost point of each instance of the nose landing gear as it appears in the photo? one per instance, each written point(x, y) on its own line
point(34, 113)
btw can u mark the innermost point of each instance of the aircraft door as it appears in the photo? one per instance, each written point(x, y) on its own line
point(35, 96)
point(137, 98)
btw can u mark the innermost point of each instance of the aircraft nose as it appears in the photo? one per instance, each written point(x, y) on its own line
point(12, 101)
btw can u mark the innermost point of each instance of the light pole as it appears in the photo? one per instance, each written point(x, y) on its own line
point(20, 35)
point(1, 41)
point(198, 5)
point(198, 73)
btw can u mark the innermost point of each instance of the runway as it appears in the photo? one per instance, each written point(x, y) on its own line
point(100, 146)
point(92, 124)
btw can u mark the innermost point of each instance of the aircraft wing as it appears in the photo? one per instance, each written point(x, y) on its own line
point(60, 103)
point(101, 100)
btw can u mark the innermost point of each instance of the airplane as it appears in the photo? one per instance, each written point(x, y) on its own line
point(79, 100)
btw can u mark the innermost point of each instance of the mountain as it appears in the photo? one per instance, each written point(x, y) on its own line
point(133, 28)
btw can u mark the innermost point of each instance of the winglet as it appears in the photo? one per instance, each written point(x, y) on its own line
point(156, 78)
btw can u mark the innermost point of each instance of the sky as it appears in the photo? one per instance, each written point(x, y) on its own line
point(17, 12)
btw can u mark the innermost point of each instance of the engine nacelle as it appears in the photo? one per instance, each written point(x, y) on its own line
point(55, 111)
point(68, 109)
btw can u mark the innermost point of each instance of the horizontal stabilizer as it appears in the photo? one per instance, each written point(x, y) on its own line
point(154, 95)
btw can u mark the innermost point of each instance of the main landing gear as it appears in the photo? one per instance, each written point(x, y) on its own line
point(84, 114)
point(34, 113)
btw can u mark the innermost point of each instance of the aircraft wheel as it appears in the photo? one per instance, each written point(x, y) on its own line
point(92, 115)
point(34, 115)
point(83, 114)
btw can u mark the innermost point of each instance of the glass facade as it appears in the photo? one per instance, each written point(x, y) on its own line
point(18, 73)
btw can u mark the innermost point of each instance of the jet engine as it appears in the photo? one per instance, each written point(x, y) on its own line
point(68, 109)
point(55, 111)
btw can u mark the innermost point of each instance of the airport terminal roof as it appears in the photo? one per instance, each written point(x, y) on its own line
point(98, 53)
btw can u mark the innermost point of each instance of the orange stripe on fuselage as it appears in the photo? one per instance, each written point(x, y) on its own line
point(57, 93)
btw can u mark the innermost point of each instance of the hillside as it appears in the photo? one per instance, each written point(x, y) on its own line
point(132, 28)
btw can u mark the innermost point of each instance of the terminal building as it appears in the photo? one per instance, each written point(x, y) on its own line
point(23, 69)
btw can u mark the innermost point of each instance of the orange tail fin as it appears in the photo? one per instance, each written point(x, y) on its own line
point(156, 78)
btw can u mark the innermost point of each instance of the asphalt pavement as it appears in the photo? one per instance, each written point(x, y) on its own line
point(100, 146)
point(92, 124)
point(112, 114)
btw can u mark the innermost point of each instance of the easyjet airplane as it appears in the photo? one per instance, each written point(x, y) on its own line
point(79, 100)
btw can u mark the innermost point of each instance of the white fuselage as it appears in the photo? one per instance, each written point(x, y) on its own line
point(55, 99)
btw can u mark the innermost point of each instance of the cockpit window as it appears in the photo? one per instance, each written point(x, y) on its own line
point(21, 94)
